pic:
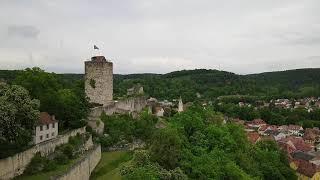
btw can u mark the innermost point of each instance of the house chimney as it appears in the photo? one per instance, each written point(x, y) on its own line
point(53, 117)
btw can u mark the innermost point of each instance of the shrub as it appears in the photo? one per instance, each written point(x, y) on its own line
point(50, 165)
point(68, 151)
point(105, 141)
point(61, 158)
point(36, 165)
point(89, 129)
point(77, 140)
point(93, 83)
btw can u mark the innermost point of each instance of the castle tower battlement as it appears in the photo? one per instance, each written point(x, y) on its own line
point(99, 80)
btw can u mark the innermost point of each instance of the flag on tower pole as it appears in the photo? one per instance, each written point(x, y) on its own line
point(95, 47)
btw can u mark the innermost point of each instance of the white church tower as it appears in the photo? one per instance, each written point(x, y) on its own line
point(180, 105)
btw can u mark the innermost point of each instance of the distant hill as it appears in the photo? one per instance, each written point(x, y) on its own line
point(211, 83)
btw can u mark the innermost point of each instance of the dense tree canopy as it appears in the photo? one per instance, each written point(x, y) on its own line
point(209, 83)
point(272, 115)
point(65, 99)
point(18, 116)
point(194, 146)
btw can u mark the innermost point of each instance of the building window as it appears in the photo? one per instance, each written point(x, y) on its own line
point(52, 134)
point(47, 126)
point(40, 138)
point(53, 125)
point(47, 136)
point(41, 128)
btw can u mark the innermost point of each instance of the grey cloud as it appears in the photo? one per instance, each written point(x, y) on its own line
point(24, 31)
point(160, 35)
point(299, 38)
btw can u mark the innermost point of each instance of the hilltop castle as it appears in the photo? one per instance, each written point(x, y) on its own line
point(99, 80)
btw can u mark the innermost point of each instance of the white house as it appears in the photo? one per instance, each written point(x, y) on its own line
point(159, 111)
point(46, 129)
point(279, 136)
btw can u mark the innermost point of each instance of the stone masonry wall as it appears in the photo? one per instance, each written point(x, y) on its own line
point(15, 165)
point(134, 104)
point(84, 167)
point(101, 73)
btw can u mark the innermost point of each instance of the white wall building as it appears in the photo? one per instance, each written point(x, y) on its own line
point(46, 129)
point(159, 111)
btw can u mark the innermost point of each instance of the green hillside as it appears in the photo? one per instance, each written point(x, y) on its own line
point(211, 83)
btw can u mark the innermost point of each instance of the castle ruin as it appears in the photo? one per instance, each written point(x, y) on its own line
point(99, 80)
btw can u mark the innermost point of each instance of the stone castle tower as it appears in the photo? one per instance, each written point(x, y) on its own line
point(99, 80)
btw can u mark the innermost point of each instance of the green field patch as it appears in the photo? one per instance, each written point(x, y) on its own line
point(108, 167)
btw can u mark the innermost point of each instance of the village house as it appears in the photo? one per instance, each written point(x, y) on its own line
point(279, 136)
point(158, 111)
point(283, 103)
point(46, 129)
point(292, 144)
point(311, 136)
point(267, 130)
point(256, 123)
point(295, 130)
point(306, 165)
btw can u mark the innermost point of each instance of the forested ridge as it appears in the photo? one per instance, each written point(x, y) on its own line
point(211, 83)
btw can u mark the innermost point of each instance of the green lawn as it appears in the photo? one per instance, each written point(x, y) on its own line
point(108, 167)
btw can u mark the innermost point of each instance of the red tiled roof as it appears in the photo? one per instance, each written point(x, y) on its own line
point(287, 147)
point(309, 136)
point(253, 137)
point(45, 118)
point(294, 127)
point(298, 143)
point(308, 169)
point(273, 127)
point(258, 121)
point(263, 128)
point(283, 127)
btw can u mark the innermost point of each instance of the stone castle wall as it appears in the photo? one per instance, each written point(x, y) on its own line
point(101, 73)
point(15, 165)
point(84, 167)
point(130, 105)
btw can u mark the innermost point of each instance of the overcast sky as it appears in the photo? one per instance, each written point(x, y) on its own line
point(159, 36)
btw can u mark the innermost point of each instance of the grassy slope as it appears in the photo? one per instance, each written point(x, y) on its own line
point(108, 167)
point(46, 175)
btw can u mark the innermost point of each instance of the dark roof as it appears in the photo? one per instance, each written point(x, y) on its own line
point(302, 155)
point(45, 118)
point(98, 59)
